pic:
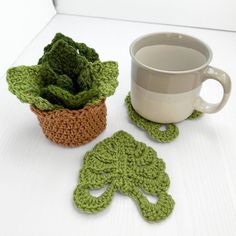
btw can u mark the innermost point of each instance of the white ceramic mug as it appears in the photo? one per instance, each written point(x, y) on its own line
point(167, 73)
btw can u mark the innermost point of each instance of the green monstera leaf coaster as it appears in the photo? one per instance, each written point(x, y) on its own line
point(122, 164)
point(152, 128)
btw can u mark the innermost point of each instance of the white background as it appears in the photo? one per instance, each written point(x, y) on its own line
point(20, 22)
point(37, 178)
point(217, 14)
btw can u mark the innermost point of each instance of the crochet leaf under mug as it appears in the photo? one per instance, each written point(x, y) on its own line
point(167, 73)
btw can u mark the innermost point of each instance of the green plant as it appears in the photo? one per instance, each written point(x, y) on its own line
point(68, 75)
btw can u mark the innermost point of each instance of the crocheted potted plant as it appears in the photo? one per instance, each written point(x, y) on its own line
point(67, 90)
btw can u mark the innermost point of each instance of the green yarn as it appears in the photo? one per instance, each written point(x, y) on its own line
point(64, 59)
point(196, 114)
point(89, 53)
point(69, 75)
point(104, 79)
point(153, 128)
point(25, 82)
point(122, 164)
point(65, 98)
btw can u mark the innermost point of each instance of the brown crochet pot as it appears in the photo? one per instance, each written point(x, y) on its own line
point(73, 127)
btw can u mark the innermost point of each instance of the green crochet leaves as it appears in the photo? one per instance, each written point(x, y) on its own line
point(26, 82)
point(122, 164)
point(89, 53)
point(104, 79)
point(66, 99)
point(64, 59)
point(68, 75)
point(152, 128)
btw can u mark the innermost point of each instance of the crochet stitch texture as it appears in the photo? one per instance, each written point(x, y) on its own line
point(153, 128)
point(68, 75)
point(67, 90)
point(73, 128)
point(125, 165)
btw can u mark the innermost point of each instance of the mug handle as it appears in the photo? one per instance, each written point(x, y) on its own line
point(220, 76)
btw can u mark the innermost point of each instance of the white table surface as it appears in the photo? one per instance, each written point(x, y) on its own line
point(37, 177)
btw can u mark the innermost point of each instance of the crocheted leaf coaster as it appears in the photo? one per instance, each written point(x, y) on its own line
point(153, 128)
point(127, 166)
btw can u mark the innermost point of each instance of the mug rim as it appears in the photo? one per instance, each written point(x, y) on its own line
point(207, 62)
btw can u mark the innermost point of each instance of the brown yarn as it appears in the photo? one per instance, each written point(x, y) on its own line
point(73, 127)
